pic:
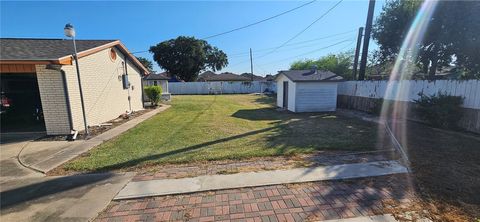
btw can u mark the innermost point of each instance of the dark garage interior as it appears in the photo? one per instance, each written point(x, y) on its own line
point(21, 108)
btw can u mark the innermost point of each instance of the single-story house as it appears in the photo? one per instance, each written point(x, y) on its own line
point(307, 90)
point(158, 79)
point(39, 77)
point(205, 75)
point(222, 77)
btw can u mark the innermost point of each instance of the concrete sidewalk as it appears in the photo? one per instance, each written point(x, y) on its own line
point(59, 152)
point(252, 179)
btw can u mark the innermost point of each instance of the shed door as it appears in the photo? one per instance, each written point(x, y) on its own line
point(285, 94)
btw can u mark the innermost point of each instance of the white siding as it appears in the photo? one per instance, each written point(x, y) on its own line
point(316, 96)
point(291, 92)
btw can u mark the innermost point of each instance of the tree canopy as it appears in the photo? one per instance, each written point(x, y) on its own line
point(452, 36)
point(145, 62)
point(185, 57)
point(340, 64)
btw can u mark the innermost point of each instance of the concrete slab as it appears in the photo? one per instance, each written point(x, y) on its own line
point(252, 179)
point(10, 168)
point(71, 198)
point(376, 218)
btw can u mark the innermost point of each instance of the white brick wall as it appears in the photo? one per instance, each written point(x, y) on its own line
point(104, 96)
point(54, 105)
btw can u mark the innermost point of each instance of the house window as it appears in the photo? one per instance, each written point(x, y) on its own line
point(154, 83)
point(113, 54)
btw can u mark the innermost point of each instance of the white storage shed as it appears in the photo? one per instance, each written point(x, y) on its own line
point(307, 90)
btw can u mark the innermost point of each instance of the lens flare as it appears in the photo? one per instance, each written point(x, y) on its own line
point(394, 108)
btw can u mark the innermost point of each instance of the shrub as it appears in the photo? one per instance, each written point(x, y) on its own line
point(440, 110)
point(154, 93)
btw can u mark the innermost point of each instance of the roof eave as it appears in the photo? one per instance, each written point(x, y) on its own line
point(36, 61)
point(115, 43)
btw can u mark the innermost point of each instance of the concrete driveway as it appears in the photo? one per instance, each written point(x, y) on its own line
point(10, 146)
point(28, 195)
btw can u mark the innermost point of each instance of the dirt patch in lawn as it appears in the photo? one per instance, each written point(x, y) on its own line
point(446, 170)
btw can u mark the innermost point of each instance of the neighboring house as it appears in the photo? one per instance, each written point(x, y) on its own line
point(225, 77)
point(171, 78)
point(307, 90)
point(270, 77)
point(255, 77)
point(160, 79)
point(205, 75)
point(111, 80)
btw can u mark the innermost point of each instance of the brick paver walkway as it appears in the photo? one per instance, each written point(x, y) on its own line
point(298, 202)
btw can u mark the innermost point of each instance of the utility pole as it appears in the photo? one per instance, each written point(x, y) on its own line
point(366, 40)
point(357, 52)
point(251, 63)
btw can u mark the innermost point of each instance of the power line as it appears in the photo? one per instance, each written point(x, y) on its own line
point(287, 49)
point(258, 22)
point(334, 44)
point(313, 51)
point(292, 44)
point(139, 52)
point(285, 43)
point(305, 29)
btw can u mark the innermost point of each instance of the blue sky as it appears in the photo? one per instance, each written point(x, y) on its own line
point(142, 24)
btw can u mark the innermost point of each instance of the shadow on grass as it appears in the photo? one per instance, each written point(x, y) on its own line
point(314, 131)
point(138, 161)
point(266, 99)
point(289, 133)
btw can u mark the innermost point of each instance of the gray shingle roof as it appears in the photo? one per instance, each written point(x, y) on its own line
point(43, 49)
point(157, 76)
point(255, 77)
point(311, 76)
point(226, 76)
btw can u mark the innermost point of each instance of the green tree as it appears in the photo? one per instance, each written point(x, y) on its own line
point(340, 64)
point(145, 62)
point(154, 93)
point(185, 57)
point(452, 35)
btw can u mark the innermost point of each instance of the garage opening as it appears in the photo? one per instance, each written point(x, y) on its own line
point(21, 108)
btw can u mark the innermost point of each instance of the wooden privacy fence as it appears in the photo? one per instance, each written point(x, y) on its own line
point(365, 96)
point(199, 88)
point(408, 90)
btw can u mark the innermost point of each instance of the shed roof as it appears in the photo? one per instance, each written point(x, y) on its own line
point(57, 51)
point(311, 76)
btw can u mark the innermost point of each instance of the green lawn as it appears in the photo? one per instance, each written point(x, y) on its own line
point(201, 128)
